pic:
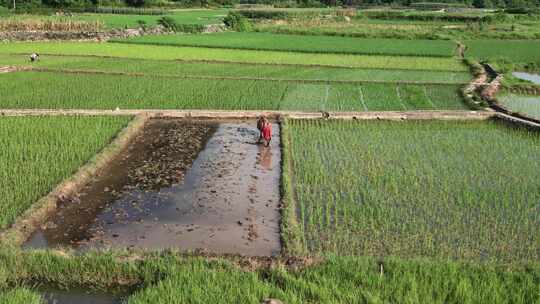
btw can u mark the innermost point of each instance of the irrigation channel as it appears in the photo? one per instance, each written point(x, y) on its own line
point(181, 183)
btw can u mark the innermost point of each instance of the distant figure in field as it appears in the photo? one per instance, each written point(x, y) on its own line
point(34, 57)
point(265, 129)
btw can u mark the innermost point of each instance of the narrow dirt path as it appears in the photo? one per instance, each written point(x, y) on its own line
point(7, 69)
point(233, 114)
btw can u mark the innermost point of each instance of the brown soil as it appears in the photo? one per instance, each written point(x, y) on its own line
point(7, 69)
point(157, 196)
point(157, 157)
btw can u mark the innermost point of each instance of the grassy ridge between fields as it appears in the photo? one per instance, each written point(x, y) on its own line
point(135, 51)
point(334, 280)
point(461, 190)
point(39, 152)
point(303, 43)
point(191, 69)
point(83, 91)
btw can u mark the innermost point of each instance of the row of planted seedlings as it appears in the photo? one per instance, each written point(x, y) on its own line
point(158, 273)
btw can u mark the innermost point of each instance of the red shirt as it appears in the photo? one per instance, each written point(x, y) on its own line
point(267, 131)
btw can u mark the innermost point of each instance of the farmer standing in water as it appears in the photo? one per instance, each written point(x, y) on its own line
point(265, 129)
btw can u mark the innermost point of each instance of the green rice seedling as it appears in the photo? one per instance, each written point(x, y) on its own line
point(39, 152)
point(526, 105)
point(505, 51)
point(463, 190)
point(303, 43)
point(84, 91)
point(198, 69)
point(19, 296)
point(245, 56)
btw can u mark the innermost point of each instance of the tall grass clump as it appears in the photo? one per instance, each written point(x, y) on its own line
point(61, 25)
point(464, 190)
point(20, 296)
point(39, 152)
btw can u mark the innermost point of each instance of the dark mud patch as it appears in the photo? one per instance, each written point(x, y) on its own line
point(157, 157)
point(224, 199)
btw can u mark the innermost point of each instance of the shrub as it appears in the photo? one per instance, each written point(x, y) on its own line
point(171, 24)
point(168, 23)
point(237, 22)
point(4, 11)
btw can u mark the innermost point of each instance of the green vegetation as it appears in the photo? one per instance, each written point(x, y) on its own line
point(520, 53)
point(388, 212)
point(525, 105)
point(112, 20)
point(399, 29)
point(65, 25)
point(39, 152)
point(192, 69)
point(59, 90)
point(19, 296)
point(308, 44)
point(285, 13)
point(434, 189)
point(334, 280)
point(246, 56)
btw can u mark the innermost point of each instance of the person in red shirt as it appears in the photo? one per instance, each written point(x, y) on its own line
point(265, 129)
point(267, 132)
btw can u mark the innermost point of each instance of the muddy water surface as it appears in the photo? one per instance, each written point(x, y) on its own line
point(225, 201)
point(56, 296)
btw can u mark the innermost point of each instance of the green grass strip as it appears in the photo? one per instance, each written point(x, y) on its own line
point(304, 43)
point(39, 152)
point(241, 56)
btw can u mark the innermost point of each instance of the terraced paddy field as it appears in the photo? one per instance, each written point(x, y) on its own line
point(118, 50)
point(234, 70)
point(506, 51)
point(524, 104)
point(87, 91)
point(437, 189)
point(307, 44)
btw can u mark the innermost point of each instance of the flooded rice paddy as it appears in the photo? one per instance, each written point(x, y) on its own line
point(181, 184)
point(534, 78)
